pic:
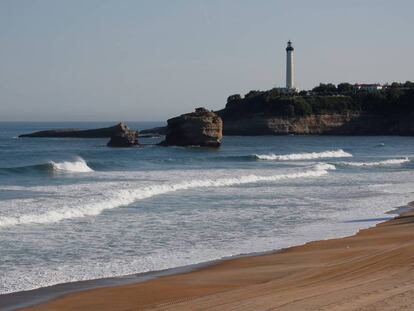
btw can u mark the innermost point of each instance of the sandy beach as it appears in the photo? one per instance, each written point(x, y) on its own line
point(372, 270)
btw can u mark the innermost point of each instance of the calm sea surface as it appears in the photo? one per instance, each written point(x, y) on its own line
point(73, 209)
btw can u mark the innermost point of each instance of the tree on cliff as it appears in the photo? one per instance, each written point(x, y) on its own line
point(325, 89)
point(323, 99)
point(409, 85)
point(345, 88)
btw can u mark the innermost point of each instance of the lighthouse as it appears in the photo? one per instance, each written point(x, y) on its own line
point(289, 66)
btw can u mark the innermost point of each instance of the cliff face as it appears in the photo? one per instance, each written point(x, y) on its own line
point(128, 138)
point(326, 109)
point(325, 124)
point(199, 128)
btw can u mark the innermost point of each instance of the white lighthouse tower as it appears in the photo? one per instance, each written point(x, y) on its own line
point(289, 66)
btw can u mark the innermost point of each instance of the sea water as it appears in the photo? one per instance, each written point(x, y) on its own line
point(74, 209)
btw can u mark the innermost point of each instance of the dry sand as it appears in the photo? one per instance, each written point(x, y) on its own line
point(372, 270)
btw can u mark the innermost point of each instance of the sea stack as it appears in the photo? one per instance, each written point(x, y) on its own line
point(200, 128)
point(124, 138)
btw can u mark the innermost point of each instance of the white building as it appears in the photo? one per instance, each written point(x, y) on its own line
point(290, 73)
point(369, 87)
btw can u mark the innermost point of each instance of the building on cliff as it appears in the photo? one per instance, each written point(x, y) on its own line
point(369, 87)
point(290, 74)
point(290, 71)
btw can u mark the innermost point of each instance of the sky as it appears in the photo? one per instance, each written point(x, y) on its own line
point(149, 60)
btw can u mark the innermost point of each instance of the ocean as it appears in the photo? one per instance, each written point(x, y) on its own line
point(74, 209)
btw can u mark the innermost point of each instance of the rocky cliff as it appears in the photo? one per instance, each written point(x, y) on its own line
point(199, 128)
point(126, 139)
point(327, 109)
point(324, 124)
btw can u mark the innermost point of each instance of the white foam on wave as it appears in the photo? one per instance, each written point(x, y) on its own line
point(304, 156)
point(389, 162)
point(324, 167)
point(322, 217)
point(77, 166)
point(125, 197)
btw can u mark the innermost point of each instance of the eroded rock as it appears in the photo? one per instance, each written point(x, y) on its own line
point(127, 139)
point(200, 128)
point(115, 130)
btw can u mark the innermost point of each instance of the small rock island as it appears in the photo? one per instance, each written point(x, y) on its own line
point(124, 138)
point(105, 132)
point(200, 128)
point(120, 134)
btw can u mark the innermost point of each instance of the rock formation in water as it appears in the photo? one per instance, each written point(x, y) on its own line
point(126, 139)
point(200, 128)
point(153, 132)
point(116, 130)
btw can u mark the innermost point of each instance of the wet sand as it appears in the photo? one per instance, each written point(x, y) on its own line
point(372, 270)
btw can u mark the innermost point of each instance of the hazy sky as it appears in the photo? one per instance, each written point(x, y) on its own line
point(151, 60)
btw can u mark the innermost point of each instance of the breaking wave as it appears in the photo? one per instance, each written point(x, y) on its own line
point(389, 162)
point(303, 156)
point(125, 197)
point(77, 166)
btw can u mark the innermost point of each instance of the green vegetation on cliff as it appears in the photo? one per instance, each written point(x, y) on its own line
point(397, 98)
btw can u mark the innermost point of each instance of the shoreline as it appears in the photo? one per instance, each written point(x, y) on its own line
point(43, 297)
point(38, 296)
